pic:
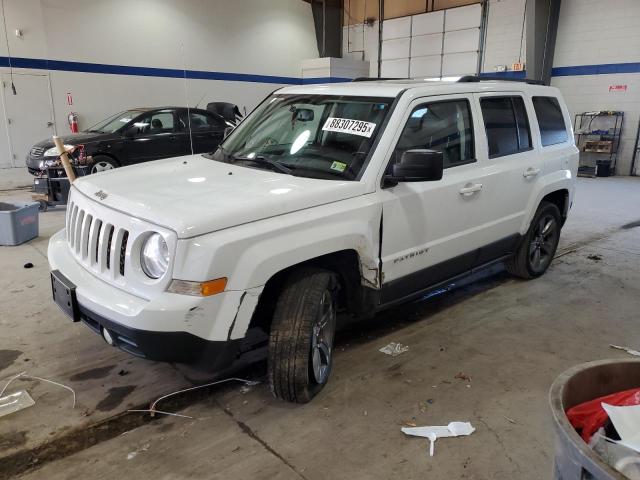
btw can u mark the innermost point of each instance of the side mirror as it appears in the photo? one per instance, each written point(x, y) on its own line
point(132, 131)
point(304, 114)
point(418, 166)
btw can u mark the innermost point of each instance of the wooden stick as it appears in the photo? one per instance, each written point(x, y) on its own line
point(64, 157)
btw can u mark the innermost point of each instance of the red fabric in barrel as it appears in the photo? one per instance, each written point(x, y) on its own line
point(589, 416)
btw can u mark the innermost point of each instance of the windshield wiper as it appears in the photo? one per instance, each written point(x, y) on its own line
point(260, 160)
point(95, 131)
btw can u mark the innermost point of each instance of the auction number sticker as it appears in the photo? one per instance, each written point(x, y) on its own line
point(346, 125)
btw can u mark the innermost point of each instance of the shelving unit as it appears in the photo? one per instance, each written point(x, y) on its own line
point(598, 138)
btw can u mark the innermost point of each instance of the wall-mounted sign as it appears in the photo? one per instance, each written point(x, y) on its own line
point(617, 88)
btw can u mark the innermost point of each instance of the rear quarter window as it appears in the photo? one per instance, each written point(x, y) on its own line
point(551, 121)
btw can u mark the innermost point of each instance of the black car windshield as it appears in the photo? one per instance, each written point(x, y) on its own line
point(318, 136)
point(115, 122)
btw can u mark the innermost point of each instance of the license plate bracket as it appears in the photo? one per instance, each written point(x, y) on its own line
point(64, 294)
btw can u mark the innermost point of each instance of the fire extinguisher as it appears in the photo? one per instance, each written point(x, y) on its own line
point(73, 122)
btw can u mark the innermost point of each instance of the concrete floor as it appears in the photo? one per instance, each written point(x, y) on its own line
point(512, 338)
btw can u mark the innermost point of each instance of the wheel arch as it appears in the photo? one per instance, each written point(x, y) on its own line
point(345, 264)
point(108, 155)
point(557, 188)
point(560, 198)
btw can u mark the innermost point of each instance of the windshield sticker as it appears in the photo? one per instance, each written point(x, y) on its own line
point(338, 166)
point(346, 125)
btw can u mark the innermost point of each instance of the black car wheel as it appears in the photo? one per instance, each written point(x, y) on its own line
point(539, 245)
point(102, 163)
point(302, 334)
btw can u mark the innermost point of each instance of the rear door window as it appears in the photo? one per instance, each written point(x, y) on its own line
point(506, 124)
point(550, 120)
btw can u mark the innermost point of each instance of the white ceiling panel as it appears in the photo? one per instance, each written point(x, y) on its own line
point(396, 28)
point(462, 41)
point(463, 17)
point(459, 64)
point(425, 66)
point(426, 45)
point(427, 23)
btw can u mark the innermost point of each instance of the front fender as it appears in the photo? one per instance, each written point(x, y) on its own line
point(250, 254)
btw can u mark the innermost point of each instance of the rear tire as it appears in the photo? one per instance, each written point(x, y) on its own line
point(536, 251)
point(302, 334)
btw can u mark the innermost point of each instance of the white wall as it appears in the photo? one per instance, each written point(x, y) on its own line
point(239, 36)
point(592, 32)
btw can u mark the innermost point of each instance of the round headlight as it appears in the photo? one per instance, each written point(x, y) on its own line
point(53, 151)
point(154, 257)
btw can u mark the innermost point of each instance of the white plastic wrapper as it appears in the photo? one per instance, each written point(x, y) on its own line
point(15, 402)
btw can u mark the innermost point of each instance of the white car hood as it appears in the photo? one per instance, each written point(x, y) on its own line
point(193, 195)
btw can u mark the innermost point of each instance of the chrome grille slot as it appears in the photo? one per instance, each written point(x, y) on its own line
point(68, 216)
point(94, 244)
point(77, 232)
point(84, 236)
point(72, 226)
point(123, 251)
point(109, 242)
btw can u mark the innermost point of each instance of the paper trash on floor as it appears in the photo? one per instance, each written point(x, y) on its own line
point(630, 351)
point(454, 429)
point(394, 349)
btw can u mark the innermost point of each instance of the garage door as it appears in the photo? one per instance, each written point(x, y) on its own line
point(435, 44)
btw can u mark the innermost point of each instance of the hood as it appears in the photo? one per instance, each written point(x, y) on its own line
point(193, 195)
point(78, 138)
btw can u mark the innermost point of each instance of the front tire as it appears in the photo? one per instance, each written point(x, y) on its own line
point(102, 163)
point(302, 335)
point(536, 251)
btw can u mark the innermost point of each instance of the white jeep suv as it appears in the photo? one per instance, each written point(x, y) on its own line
point(333, 198)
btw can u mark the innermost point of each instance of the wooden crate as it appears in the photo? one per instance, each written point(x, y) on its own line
point(598, 146)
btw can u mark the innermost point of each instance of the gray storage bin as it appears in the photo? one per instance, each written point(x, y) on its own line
point(18, 222)
point(574, 459)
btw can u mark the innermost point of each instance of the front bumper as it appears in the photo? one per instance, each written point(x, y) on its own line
point(169, 327)
point(180, 347)
point(36, 165)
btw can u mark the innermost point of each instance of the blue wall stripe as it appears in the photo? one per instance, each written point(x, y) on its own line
point(602, 69)
point(66, 66)
point(572, 71)
point(86, 67)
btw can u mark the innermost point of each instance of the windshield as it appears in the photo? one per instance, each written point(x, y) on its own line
point(317, 136)
point(115, 122)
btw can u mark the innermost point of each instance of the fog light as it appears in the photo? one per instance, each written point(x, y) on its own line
point(107, 336)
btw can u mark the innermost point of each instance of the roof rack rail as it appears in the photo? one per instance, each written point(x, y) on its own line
point(476, 78)
point(375, 79)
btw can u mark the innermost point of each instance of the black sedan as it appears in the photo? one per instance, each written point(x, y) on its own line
point(137, 135)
